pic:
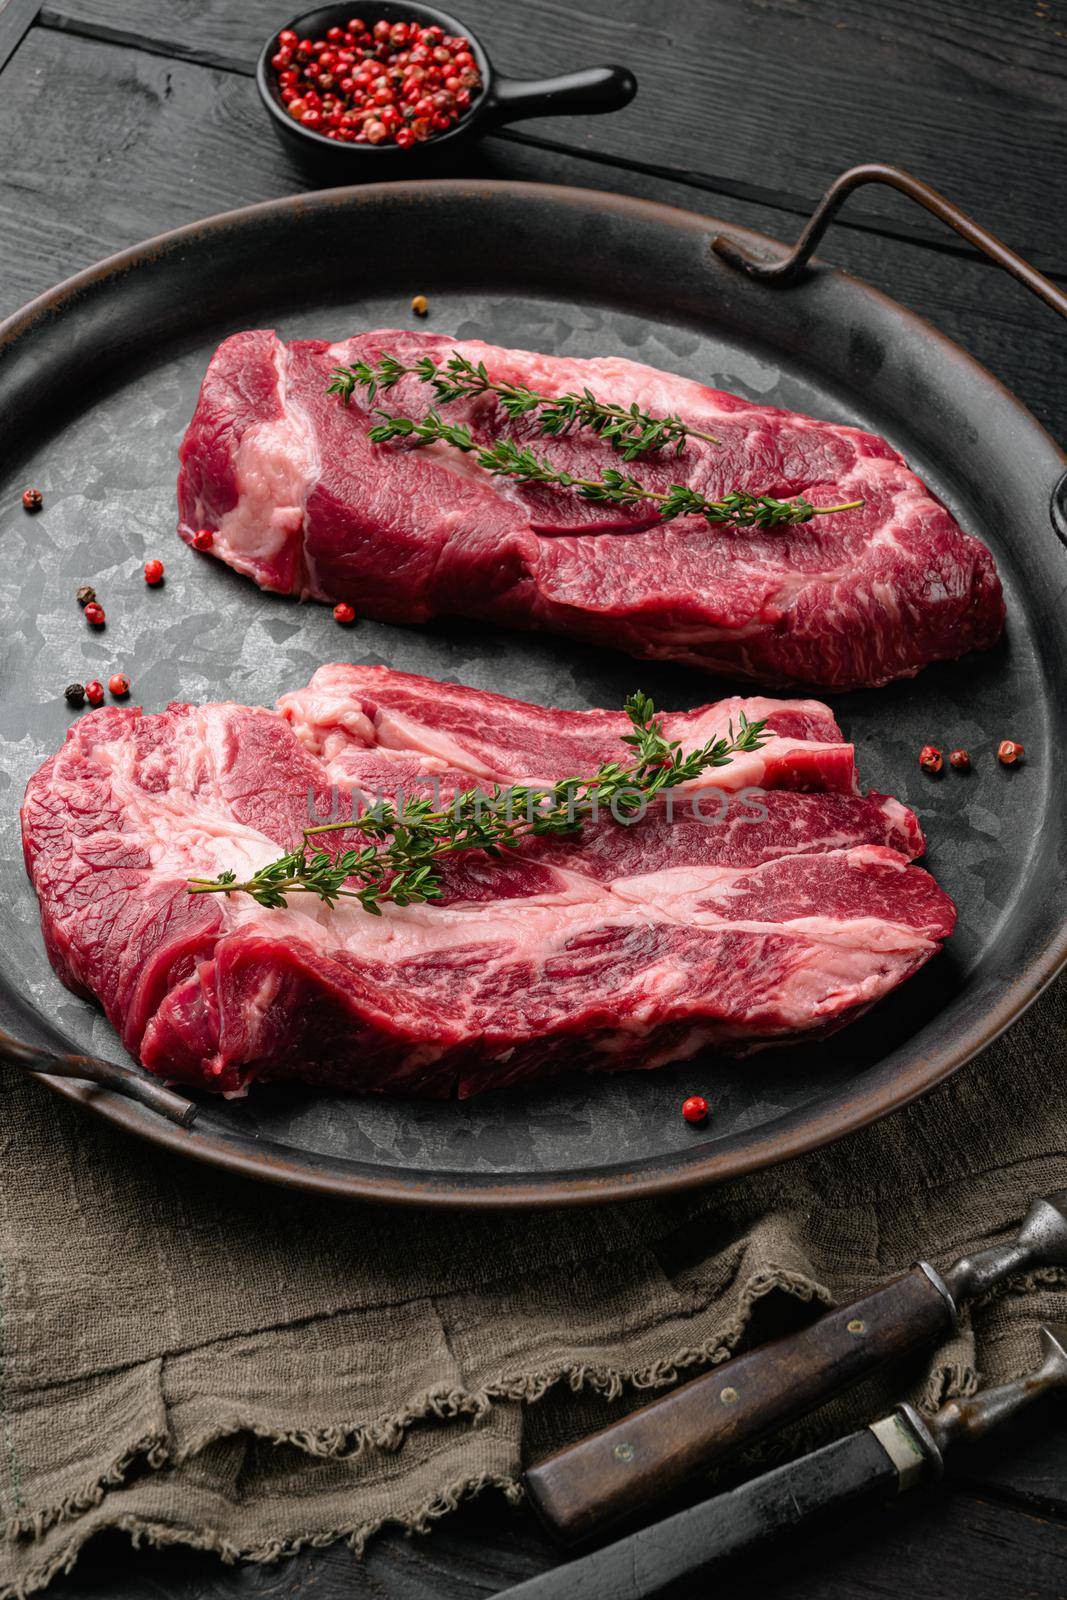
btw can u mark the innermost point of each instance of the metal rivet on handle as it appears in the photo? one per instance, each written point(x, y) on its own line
point(729, 1397)
point(623, 1452)
point(857, 1326)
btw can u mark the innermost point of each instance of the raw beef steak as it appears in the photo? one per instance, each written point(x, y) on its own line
point(772, 902)
point(301, 502)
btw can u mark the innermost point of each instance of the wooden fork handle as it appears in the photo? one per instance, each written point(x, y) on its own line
point(592, 1486)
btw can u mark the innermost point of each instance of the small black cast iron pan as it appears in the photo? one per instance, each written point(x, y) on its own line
point(500, 100)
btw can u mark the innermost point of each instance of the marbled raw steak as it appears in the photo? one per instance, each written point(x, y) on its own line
point(301, 502)
point(774, 902)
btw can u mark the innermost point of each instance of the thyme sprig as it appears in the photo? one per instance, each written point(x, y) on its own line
point(628, 429)
point(400, 864)
point(505, 458)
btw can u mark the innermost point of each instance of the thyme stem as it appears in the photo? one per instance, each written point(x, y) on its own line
point(399, 865)
point(628, 429)
point(504, 458)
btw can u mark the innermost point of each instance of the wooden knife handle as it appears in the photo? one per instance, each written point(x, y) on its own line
point(591, 1486)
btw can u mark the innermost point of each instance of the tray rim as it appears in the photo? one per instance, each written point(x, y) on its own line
point(798, 1132)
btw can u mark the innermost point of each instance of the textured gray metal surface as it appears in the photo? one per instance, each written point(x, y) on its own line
point(93, 405)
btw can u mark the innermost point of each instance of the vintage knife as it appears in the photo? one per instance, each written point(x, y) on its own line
point(587, 1488)
point(892, 1455)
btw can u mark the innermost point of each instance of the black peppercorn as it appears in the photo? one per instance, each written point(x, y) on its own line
point(75, 695)
point(86, 595)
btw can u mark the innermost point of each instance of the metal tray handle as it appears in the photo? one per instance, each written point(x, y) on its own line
point(785, 269)
point(108, 1074)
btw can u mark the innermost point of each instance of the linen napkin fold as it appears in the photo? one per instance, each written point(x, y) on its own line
point(201, 1360)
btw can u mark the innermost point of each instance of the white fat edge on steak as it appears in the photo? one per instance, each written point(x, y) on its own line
point(326, 722)
point(276, 465)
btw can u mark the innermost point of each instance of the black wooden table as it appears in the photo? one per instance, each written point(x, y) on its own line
point(122, 118)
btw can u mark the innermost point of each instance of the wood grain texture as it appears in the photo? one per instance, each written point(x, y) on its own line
point(942, 1547)
point(16, 17)
point(1024, 1464)
point(603, 1481)
point(967, 93)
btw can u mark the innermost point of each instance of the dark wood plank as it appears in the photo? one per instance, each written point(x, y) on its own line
point(1023, 1464)
point(167, 142)
point(949, 1544)
point(16, 18)
point(968, 93)
point(133, 145)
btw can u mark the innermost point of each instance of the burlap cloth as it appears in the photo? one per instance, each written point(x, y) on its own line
point(202, 1360)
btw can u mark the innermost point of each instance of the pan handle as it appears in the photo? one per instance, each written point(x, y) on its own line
point(788, 267)
point(590, 90)
point(108, 1074)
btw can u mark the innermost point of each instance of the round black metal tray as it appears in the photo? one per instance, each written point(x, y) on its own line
point(97, 381)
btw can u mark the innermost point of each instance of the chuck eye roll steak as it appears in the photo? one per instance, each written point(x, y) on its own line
point(769, 902)
point(299, 500)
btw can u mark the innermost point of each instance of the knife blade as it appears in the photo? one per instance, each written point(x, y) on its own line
point(587, 1488)
point(895, 1454)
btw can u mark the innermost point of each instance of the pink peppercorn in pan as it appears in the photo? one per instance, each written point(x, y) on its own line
point(386, 82)
point(405, 86)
